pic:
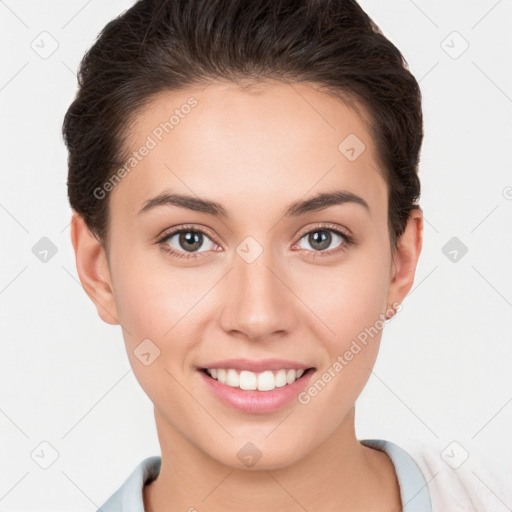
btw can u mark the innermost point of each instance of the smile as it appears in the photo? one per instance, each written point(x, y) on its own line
point(256, 391)
point(251, 381)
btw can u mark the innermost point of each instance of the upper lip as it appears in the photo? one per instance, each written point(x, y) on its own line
point(256, 365)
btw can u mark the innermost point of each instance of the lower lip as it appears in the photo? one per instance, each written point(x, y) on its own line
point(257, 401)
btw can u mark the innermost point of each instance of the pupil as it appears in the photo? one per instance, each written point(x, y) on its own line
point(191, 240)
point(324, 240)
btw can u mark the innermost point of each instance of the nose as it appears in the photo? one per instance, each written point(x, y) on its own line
point(259, 303)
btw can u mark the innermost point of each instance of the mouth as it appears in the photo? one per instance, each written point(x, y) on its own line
point(267, 380)
point(255, 385)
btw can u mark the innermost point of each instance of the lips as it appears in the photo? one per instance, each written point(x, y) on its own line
point(247, 391)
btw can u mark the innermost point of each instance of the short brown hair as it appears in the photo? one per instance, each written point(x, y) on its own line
point(167, 45)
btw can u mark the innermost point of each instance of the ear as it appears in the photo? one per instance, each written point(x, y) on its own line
point(92, 267)
point(405, 258)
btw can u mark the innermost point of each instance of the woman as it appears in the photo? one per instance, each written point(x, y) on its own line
point(244, 183)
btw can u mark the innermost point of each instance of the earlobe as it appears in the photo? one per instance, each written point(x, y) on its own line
point(405, 258)
point(93, 271)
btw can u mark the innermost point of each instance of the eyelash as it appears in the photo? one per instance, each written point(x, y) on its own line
point(347, 240)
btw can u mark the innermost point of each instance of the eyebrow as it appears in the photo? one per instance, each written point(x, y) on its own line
point(313, 204)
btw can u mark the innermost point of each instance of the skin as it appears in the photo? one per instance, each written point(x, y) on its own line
point(254, 151)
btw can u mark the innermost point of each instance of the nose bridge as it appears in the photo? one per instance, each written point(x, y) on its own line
point(259, 302)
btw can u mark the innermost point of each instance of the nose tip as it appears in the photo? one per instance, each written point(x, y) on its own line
point(259, 302)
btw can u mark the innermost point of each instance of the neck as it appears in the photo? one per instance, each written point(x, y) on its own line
point(340, 474)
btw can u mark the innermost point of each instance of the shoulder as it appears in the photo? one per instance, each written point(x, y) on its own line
point(462, 479)
point(129, 497)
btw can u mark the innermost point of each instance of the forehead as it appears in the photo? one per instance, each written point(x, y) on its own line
point(273, 141)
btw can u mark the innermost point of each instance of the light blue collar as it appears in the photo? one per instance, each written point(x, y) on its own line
point(413, 487)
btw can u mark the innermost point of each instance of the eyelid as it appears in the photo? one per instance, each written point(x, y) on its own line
point(166, 233)
point(328, 226)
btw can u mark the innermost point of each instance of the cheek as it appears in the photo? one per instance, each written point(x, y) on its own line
point(153, 311)
point(162, 304)
point(151, 298)
point(351, 302)
point(346, 299)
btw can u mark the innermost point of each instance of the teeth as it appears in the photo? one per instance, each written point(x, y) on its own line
point(250, 381)
point(233, 379)
point(280, 378)
point(266, 381)
point(221, 375)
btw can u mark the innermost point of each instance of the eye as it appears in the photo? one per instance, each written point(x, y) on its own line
point(185, 242)
point(325, 236)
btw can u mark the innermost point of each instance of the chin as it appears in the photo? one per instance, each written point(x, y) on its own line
point(258, 456)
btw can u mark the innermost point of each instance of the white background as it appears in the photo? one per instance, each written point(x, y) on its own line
point(444, 370)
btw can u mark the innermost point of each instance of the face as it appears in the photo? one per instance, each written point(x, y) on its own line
point(255, 277)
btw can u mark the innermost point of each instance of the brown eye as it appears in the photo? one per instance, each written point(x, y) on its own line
point(320, 240)
point(190, 240)
point(186, 242)
point(324, 241)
